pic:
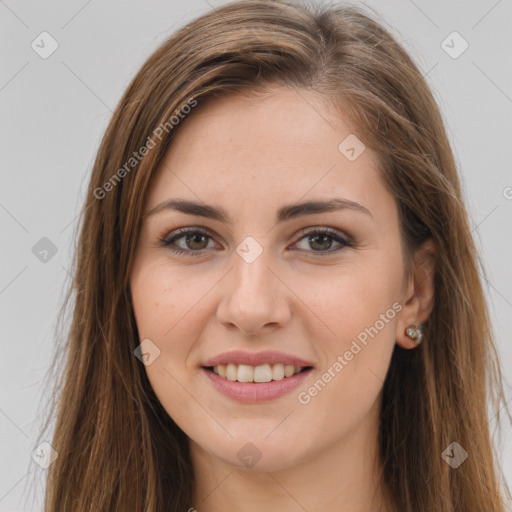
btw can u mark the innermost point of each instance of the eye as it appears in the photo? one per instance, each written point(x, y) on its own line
point(321, 240)
point(192, 241)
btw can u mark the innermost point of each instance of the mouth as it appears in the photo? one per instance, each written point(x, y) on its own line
point(255, 384)
point(255, 377)
point(256, 374)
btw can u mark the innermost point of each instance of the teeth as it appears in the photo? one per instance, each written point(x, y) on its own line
point(262, 373)
point(277, 372)
point(245, 373)
point(231, 372)
point(289, 370)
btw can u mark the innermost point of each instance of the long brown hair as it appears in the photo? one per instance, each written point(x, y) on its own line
point(117, 447)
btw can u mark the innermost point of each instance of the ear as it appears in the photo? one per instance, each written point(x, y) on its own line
point(418, 299)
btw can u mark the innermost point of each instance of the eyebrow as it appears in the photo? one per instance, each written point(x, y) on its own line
point(284, 213)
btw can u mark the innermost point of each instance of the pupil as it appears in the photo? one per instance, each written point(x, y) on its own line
point(192, 239)
point(326, 241)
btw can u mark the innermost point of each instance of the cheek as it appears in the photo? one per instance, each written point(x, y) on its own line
point(162, 297)
point(359, 307)
point(167, 308)
point(352, 298)
point(165, 314)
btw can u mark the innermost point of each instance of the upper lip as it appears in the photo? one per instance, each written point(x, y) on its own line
point(255, 358)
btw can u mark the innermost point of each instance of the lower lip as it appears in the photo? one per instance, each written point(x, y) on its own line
point(252, 392)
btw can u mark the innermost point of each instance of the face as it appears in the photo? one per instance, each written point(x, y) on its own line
point(246, 285)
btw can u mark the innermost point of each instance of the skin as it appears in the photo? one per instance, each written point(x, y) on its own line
point(251, 156)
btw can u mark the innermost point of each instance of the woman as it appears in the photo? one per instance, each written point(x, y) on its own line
point(276, 293)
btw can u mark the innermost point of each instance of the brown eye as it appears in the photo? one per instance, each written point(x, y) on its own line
point(322, 240)
point(188, 241)
point(196, 241)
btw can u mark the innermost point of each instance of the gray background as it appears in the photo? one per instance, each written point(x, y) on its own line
point(54, 112)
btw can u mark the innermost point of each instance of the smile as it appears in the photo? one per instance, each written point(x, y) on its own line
point(251, 392)
point(260, 373)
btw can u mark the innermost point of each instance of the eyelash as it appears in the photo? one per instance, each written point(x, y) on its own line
point(180, 233)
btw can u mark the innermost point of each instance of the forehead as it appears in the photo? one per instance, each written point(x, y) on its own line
point(283, 145)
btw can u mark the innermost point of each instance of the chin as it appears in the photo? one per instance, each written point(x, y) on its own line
point(258, 454)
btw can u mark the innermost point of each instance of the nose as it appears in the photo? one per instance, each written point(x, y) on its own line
point(255, 300)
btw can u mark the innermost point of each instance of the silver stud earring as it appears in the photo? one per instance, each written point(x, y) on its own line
point(415, 332)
